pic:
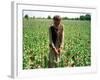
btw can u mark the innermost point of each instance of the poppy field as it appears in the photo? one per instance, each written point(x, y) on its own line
point(77, 43)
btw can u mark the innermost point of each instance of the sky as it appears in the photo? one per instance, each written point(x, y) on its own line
point(45, 14)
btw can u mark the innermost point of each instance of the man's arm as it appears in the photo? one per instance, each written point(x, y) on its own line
point(62, 43)
point(50, 39)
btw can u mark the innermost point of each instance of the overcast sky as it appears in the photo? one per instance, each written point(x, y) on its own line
point(45, 14)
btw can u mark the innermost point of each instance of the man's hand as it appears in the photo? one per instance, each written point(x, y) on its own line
point(56, 51)
point(59, 50)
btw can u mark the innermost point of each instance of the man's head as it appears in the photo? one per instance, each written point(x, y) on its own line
point(57, 20)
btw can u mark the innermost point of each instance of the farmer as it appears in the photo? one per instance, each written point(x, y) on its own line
point(56, 42)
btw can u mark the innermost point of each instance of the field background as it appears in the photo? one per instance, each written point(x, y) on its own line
point(77, 51)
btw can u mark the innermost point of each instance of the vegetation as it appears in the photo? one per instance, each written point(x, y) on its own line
point(76, 52)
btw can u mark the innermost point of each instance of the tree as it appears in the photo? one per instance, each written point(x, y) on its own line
point(88, 17)
point(82, 17)
point(65, 18)
point(49, 17)
point(26, 16)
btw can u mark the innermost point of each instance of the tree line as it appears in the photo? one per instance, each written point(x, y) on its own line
point(82, 17)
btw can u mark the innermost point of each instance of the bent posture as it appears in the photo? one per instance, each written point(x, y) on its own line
point(56, 41)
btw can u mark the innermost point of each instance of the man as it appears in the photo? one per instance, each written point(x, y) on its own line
point(56, 42)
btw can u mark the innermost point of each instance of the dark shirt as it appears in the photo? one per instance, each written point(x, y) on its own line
point(56, 35)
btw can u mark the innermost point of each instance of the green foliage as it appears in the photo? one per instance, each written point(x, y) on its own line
point(49, 17)
point(77, 51)
point(86, 17)
point(65, 18)
point(26, 16)
point(82, 17)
